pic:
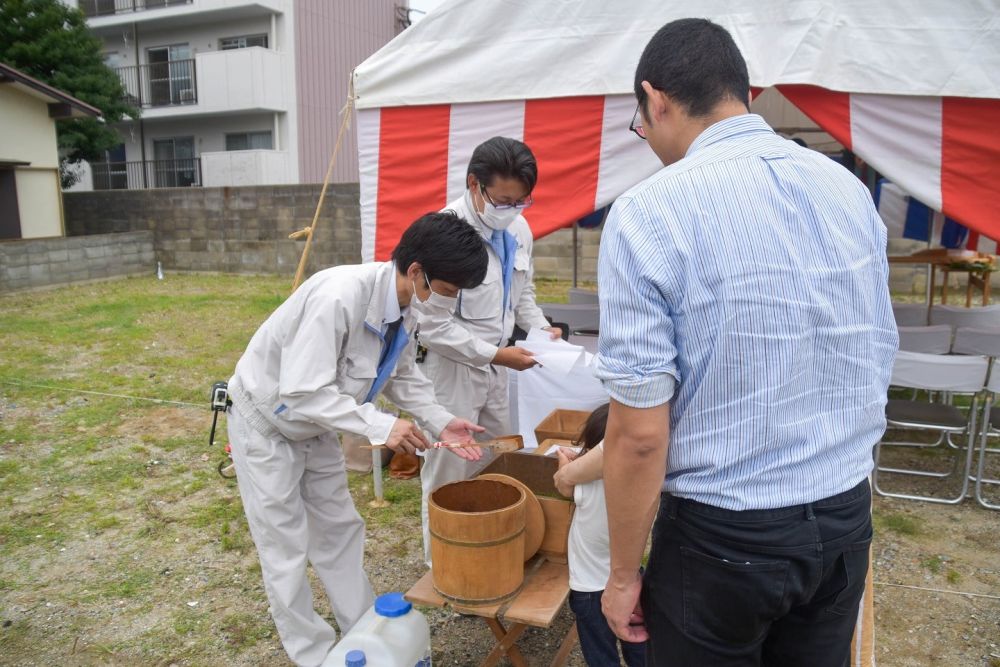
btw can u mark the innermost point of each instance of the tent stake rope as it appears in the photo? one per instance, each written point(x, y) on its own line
point(17, 383)
point(937, 590)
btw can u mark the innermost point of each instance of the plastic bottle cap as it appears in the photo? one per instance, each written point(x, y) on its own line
point(392, 605)
point(355, 658)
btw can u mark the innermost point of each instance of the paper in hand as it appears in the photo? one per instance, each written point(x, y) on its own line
point(555, 355)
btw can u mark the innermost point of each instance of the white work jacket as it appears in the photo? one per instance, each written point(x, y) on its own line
point(479, 326)
point(310, 366)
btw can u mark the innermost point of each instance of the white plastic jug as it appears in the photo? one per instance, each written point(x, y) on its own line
point(390, 634)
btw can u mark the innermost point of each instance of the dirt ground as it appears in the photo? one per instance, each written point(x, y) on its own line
point(121, 545)
point(204, 605)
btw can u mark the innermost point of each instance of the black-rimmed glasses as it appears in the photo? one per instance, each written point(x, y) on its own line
point(636, 125)
point(519, 205)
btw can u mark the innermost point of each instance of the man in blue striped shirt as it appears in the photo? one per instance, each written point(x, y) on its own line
point(746, 341)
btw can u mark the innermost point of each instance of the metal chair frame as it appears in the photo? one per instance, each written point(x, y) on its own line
point(972, 385)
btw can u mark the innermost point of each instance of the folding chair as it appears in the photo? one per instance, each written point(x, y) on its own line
point(984, 341)
point(910, 314)
point(956, 316)
point(991, 427)
point(934, 372)
point(929, 340)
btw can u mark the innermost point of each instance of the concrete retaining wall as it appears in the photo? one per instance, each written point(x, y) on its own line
point(235, 230)
point(35, 263)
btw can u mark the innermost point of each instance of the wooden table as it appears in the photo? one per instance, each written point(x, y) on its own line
point(939, 260)
point(545, 590)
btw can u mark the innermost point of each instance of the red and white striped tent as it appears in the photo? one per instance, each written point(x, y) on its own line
point(911, 86)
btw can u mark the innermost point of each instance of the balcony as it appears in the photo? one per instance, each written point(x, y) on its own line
point(244, 80)
point(163, 84)
point(95, 8)
point(139, 175)
point(109, 17)
point(246, 167)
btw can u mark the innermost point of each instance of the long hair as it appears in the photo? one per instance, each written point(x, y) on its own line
point(593, 429)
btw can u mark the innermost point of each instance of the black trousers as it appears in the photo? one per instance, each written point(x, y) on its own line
point(771, 588)
point(597, 642)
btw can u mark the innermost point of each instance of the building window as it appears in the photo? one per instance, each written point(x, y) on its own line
point(230, 43)
point(174, 163)
point(248, 141)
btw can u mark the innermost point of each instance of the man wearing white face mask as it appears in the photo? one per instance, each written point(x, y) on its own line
point(467, 355)
point(314, 368)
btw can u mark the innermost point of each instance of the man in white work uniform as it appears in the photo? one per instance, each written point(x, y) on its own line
point(314, 368)
point(467, 355)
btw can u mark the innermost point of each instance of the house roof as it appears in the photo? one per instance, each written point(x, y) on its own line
point(61, 104)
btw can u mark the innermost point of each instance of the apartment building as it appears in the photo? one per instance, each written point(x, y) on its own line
point(233, 92)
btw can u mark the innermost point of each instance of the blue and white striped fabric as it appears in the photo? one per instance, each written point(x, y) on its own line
point(751, 277)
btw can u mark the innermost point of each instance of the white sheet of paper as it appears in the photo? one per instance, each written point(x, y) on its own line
point(556, 355)
point(554, 451)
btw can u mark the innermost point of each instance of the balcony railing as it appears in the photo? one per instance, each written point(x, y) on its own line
point(93, 8)
point(139, 175)
point(166, 84)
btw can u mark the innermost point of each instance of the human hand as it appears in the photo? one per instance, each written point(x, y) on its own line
point(516, 358)
point(555, 332)
point(406, 436)
point(620, 604)
point(566, 456)
point(563, 485)
point(460, 431)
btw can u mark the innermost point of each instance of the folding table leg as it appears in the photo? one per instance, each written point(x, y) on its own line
point(506, 638)
point(568, 642)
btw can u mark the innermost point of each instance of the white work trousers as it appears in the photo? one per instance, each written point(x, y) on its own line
point(476, 394)
point(299, 509)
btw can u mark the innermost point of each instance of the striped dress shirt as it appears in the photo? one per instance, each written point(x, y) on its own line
point(748, 284)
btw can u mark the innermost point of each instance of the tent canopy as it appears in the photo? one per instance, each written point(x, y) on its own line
point(911, 87)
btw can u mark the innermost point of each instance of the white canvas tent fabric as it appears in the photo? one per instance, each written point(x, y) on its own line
point(911, 87)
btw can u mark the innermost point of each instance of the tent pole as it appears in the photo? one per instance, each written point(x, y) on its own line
point(575, 252)
point(929, 297)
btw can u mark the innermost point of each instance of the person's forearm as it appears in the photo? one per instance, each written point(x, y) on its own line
point(635, 461)
point(585, 468)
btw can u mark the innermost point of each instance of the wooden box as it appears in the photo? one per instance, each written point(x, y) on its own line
point(561, 424)
point(536, 473)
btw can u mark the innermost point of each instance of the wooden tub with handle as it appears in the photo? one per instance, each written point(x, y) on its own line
point(477, 541)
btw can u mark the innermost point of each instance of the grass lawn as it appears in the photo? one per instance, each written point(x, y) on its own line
point(119, 542)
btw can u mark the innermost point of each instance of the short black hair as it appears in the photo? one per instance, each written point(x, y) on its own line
point(506, 158)
point(696, 63)
point(447, 247)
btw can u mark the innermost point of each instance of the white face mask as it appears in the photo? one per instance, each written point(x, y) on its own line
point(491, 216)
point(435, 304)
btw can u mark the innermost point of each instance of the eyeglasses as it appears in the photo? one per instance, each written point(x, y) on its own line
point(519, 205)
point(636, 125)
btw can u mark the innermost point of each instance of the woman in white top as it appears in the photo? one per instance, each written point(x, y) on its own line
point(580, 477)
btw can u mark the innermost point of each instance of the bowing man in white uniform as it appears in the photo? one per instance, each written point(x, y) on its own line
point(467, 355)
point(314, 368)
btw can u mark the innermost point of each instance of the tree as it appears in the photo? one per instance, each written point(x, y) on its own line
point(51, 42)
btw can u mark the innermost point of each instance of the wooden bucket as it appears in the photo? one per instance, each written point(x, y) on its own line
point(477, 541)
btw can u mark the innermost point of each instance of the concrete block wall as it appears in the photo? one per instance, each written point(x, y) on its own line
point(245, 230)
point(233, 230)
point(35, 263)
point(554, 254)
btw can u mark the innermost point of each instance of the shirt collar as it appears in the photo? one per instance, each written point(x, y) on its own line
point(392, 310)
point(747, 123)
